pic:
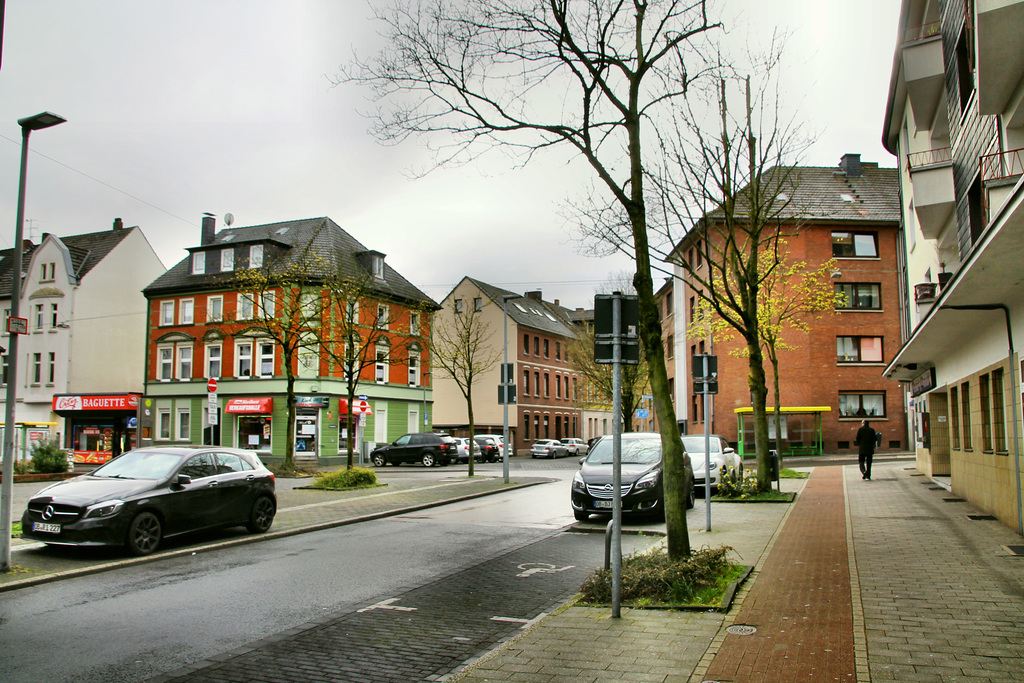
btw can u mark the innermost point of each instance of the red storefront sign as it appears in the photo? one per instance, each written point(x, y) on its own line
point(65, 403)
point(358, 406)
point(250, 405)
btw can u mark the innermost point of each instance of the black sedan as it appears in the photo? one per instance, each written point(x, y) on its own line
point(149, 494)
point(642, 481)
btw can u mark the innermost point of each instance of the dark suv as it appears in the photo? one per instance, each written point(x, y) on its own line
point(430, 449)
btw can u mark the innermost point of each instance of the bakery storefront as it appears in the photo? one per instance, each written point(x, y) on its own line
point(98, 427)
point(253, 422)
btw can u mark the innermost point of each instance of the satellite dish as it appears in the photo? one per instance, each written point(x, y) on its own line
point(229, 218)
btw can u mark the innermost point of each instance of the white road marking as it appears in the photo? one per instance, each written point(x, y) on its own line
point(387, 604)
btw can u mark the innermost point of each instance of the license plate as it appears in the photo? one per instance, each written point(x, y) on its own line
point(603, 503)
point(47, 528)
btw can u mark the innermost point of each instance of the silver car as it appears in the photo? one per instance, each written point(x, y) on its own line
point(722, 456)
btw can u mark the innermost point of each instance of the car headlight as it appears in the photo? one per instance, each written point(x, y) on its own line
point(648, 481)
point(107, 508)
point(577, 483)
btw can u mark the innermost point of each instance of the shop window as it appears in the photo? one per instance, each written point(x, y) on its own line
point(163, 424)
point(166, 313)
point(184, 425)
point(213, 360)
point(954, 416)
point(998, 412)
point(254, 432)
point(199, 263)
point(854, 244)
point(227, 260)
point(866, 405)
point(214, 309)
point(256, 256)
point(965, 414)
point(859, 349)
point(185, 312)
point(184, 362)
point(266, 359)
point(243, 359)
point(858, 295)
point(165, 363)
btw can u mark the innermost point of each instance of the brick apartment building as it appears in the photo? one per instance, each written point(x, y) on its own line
point(833, 372)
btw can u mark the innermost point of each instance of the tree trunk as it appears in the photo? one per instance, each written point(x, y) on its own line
point(289, 437)
point(778, 405)
point(758, 400)
point(472, 427)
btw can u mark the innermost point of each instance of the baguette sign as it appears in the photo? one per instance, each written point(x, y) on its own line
point(119, 402)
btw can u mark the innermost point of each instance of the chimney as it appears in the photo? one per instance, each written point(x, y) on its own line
point(535, 295)
point(118, 224)
point(556, 302)
point(850, 164)
point(209, 229)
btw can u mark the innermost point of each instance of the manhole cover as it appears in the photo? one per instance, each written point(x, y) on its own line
point(741, 630)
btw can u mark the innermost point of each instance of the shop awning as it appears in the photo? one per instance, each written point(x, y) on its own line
point(359, 406)
point(68, 403)
point(250, 405)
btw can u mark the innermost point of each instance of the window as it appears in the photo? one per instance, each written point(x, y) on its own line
point(382, 316)
point(199, 263)
point(526, 342)
point(954, 416)
point(377, 266)
point(381, 367)
point(184, 362)
point(414, 369)
point(266, 358)
point(858, 295)
point(855, 244)
point(414, 323)
point(526, 426)
point(670, 348)
point(536, 346)
point(245, 305)
point(256, 256)
point(51, 369)
point(186, 312)
point(558, 351)
point(998, 415)
point(214, 309)
point(546, 349)
point(163, 424)
point(536, 384)
point(566, 381)
point(40, 317)
point(213, 358)
point(965, 414)
point(184, 425)
point(37, 368)
point(165, 362)
point(267, 305)
point(49, 271)
point(547, 385)
point(54, 316)
point(7, 317)
point(862, 405)
point(227, 260)
point(558, 387)
point(243, 359)
point(478, 304)
point(526, 384)
point(547, 431)
point(536, 426)
point(693, 308)
point(166, 313)
point(6, 361)
point(859, 349)
point(458, 305)
point(985, 412)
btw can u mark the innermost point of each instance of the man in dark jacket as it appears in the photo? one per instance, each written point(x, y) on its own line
point(865, 448)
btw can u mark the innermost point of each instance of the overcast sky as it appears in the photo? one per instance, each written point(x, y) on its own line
point(181, 107)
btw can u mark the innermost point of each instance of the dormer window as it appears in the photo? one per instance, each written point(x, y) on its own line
point(377, 266)
point(199, 263)
point(227, 260)
point(256, 256)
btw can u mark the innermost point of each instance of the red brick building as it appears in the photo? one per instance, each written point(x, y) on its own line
point(833, 373)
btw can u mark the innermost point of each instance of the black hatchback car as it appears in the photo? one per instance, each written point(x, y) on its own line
point(642, 481)
point(425, 447)
point(149, 494)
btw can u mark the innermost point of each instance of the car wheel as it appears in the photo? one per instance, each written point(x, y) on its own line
point(144, 534)
point(581, 515)
point(429, 460)
point(261, 516)
point(379, 460)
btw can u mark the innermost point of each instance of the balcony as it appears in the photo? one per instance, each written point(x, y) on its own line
point(1000, 52)
point(999, 173)
point(923, 71)
point(931, 173)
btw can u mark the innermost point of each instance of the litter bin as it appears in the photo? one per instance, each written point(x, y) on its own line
point(773, 465)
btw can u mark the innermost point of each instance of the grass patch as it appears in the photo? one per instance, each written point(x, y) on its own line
point(15, 529)
point(786, 473)
point(762, 497)
point(280, 470)
point(651, 579)
point(343, 480)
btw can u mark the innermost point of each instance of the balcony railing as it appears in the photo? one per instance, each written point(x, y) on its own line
point(921, 32)
point(1002, 165)
point(929, 157)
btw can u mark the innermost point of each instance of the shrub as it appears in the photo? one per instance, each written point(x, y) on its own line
point(357, 477)
point(732, 485)
point(652, 578)
point(22, 467)
point(48, 458)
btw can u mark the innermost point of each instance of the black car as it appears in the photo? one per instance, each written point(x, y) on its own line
point(490, 447)
point(425, 447)
point(149, 494)
point(642, 481)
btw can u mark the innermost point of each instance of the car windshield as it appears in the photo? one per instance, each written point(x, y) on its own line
point(634, 452)
point(139, 465)
point(695, 444)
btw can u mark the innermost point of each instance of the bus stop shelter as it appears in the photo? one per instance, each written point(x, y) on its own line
point(801, 430)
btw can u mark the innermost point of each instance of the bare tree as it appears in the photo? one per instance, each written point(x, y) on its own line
point(587, 76)
point(463, 351)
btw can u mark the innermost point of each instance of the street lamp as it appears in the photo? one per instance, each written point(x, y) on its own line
point(504, 427)
point(37, 122)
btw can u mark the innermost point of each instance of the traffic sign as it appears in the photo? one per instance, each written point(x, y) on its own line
point(211, 385)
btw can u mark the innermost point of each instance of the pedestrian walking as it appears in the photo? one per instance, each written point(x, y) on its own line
point(865, 441)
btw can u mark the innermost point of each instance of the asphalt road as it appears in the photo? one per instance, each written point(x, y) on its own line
point(465, 575)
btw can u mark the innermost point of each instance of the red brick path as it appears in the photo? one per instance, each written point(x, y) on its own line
point(800, 601)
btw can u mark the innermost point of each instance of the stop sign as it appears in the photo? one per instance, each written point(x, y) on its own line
point(211, 385)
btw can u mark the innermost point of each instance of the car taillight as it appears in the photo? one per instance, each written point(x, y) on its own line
point(272, 478)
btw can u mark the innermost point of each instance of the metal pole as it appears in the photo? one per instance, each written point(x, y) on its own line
point(707, 453)
point(504, 424)
point(616, 454)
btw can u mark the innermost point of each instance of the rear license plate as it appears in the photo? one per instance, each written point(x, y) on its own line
point(47, 528)
point(603, 503)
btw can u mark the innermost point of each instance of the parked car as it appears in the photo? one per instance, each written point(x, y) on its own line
point(149, 494)
point(490, 446)
point(642, 485)
point(575, 446)
point(462, 444)
point(722, 456)
point(548, 448)
point(430, 449)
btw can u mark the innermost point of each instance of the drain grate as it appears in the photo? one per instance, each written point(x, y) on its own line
point(980, 517)
point(919, 474)
point(1015, 549)
point(953, 500)
point(936, 488)
point(742, 630)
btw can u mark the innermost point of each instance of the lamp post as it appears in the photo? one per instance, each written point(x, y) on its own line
point(504, 426)
point(37, 122)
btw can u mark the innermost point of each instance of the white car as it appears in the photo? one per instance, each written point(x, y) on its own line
point(463, 445)
point(722, 455)
point(575, 446)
